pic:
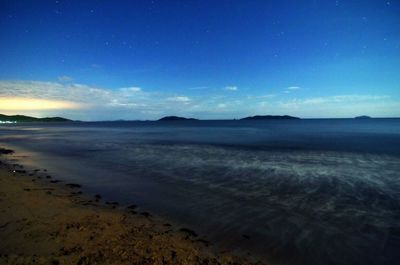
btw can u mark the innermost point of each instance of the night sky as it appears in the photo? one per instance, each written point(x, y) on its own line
point(100, 60)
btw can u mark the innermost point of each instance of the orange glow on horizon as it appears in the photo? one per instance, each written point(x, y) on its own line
point(22, 104)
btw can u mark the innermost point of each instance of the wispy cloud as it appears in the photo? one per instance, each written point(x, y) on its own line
point(341, 106)
point(65, 78)
point(334, 99)
point(231, 88)
point(79, 101)
point(179, 99)
point(198, 88)
point(131, 89)
point(293, 88)
point(221, 105)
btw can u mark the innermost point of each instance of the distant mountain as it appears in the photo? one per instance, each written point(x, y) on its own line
point(270, 117)
point(362, 117)
point(22, 118)
point(176, 118)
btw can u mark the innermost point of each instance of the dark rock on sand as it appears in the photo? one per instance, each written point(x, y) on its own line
point(173, 254)
point(4, 151)
point(188, 231)
point(246, 236)
point(145, 214)
point(133, 206)
point(55, 181)
point(73, 185)
point(203, 241)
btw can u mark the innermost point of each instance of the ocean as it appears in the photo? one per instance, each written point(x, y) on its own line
point(310, 191)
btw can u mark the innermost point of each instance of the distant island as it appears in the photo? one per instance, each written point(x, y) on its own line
point(362, 117)
point(270, 117)
point(176, 118)
point(23, 118)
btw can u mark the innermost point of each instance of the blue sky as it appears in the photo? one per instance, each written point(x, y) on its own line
point(204, 59)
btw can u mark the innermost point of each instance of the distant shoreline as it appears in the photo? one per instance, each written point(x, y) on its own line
point(10, 119)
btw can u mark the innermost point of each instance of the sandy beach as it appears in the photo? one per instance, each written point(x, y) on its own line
point(43, 221)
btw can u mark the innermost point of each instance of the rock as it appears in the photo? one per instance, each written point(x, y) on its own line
point(55, 181)
point(205, 242)
point(73, 185)
point(188, 231)
point(173, 254)
point(145, 214)
point(4, 151)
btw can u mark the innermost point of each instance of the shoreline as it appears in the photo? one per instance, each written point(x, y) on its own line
point(43, 222)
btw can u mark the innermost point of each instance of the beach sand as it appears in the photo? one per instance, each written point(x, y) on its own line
point(52, 223)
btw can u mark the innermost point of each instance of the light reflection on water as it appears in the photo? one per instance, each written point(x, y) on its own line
point(313, 192)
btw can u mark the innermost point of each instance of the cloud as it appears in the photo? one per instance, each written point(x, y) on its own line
point(93, 99)
point(179, 99)
point(231, 88)
point(341, 106)
point(293, 88)
point(65, 78)
point(198, 88)
point(23, 104)
point(131, 89)
point(222, 105)
point(337, 99)
point(83, 102)
point(267, 96)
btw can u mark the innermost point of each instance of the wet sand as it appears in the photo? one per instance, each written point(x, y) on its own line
point(43, 221)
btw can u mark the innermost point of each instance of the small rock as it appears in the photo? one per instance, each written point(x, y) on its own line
point(189, 232)
point(246, 236)
point(73, 185)
point(145, 214)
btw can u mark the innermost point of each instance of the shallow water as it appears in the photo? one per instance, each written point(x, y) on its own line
point(296, 191)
